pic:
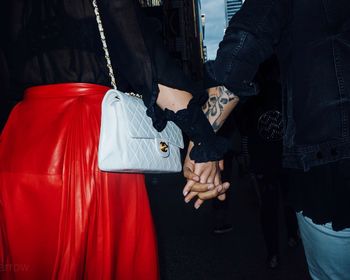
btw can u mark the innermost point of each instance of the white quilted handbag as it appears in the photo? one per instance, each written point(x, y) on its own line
point(128, 140)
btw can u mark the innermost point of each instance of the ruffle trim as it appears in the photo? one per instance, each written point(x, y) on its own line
point(212, 150)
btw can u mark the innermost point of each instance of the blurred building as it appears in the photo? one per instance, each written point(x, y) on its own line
point(231, 7)
point(183, 32)
point(151, 3)
point(205, 49)
point(205, 53)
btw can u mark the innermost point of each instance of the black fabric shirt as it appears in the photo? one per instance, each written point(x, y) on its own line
point(57, 41)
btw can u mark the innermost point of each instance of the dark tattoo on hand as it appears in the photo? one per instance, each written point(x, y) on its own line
point(215, 105)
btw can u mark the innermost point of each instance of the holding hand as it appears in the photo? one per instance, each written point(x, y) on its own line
point(203, 180)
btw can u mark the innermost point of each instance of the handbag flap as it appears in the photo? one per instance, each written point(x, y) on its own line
point(140, 125)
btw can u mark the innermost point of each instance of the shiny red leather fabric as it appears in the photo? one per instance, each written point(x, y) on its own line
point(60, 216)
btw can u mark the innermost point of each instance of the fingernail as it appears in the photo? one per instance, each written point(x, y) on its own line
point(185, 193)
point(219, 188)
point(187, 200)
point(196, 178)
point(210, 187)
point(197, 207)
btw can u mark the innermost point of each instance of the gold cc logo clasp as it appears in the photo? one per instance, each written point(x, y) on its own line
point(164, 147)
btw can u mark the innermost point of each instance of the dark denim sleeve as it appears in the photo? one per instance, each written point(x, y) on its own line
point(250, 39)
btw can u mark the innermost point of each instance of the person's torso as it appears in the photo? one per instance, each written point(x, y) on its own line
point(53, 42)
point(314, 55)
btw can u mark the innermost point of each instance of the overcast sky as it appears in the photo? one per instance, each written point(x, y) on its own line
point(214, 11)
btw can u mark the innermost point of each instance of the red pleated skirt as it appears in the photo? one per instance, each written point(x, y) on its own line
point(60, 217)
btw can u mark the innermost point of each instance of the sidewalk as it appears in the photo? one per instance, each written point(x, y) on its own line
point(189, 251)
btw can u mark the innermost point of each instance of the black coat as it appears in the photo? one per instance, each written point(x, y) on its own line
point(312, 41)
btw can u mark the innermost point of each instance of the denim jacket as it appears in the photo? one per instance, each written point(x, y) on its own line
point(312, 41)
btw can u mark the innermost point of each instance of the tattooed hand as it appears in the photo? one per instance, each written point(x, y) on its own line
point(220, 103)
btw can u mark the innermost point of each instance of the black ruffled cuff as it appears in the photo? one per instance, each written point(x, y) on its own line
point(192, 121)
point(158, 116)
point(210, 150)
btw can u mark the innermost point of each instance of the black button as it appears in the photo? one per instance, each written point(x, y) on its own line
point(319, 155)
point(334, 152)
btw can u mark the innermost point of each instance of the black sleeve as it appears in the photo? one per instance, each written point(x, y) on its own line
point(6, 103)
point(250, 39)
point(137, 51)
point(139, 57)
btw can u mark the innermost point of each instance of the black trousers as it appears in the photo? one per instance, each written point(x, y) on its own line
point(273, 192)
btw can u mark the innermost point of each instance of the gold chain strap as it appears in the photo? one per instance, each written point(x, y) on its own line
point(105, 49)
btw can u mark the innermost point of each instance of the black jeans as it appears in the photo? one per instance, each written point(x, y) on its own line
point(273, 191)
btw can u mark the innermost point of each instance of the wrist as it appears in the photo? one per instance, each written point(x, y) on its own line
point(207, 146)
